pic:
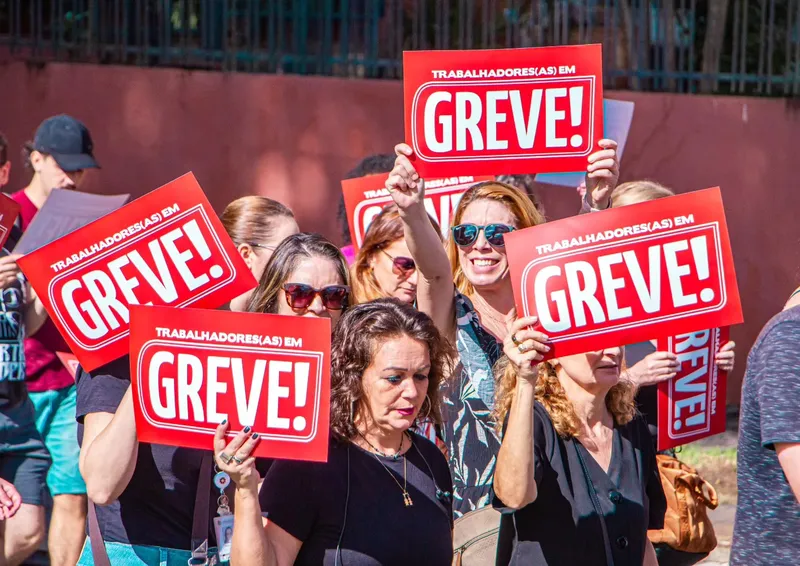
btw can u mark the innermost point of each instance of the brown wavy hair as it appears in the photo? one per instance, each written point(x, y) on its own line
point(516, 200)
point(284, 261)
point(355, 340)
point(551, 394)
point(385, 229)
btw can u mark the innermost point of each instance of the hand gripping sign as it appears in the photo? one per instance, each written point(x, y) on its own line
point(503, 111)
point(166, 248)
point(625, 275)
point(365, 197)
point(691, 405)
point(190, 371)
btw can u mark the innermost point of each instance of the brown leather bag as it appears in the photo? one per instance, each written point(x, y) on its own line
point(475, 538)
point(686, 524)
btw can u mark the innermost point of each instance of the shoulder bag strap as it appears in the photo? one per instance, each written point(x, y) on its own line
point(200, 521)
point(596, 505)
point(99, 554)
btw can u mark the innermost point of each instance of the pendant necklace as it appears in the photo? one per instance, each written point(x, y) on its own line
point(404, 488)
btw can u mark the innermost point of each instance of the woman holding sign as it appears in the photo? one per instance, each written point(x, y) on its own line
point(381, 482)
point(306, 276)
point(467, 292)
point(576, 475)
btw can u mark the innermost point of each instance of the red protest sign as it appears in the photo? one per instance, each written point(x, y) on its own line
point(625, 275)
point(70, 362)
point(166, 248)
point(365, 197)
point(503, 111)
point(190, 371)
point(691, 405)
point(9, 210)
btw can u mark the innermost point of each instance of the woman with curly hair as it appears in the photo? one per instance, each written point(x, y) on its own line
point(576, 463)
point(381, 482)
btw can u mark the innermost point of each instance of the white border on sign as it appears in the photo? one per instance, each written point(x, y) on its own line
point(114, 249)
point(495, 157)
point(238, 349)
point(713, 339)
point(713, 226)
point(388, 199)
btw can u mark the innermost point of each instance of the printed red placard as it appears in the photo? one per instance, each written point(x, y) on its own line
point(629, 274)
point(9, 210)
point(190, 371)
point(503, 111)
point(691, 405)
point(365, 197)
point(166, 248)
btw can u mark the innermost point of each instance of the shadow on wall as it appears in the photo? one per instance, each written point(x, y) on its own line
point(293, 138)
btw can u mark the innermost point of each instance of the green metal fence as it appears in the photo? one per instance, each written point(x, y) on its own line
point(724, 46)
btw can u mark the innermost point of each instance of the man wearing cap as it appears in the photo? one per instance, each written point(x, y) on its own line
point(58, 157)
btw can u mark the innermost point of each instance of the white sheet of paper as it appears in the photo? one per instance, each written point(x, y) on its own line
point(617, 118)
point(63, 212)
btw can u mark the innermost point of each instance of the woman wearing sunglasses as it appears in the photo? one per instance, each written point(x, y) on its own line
point(256, 225)
point(306, 276)
point(467, 292)
point(383, 266)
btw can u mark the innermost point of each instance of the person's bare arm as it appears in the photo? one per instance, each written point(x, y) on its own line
point(650, 557)
point(35, 313)
point(789, 457)
point(435, 284)
point(109, 451)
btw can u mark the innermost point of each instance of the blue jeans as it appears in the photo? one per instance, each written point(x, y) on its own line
point(120, 554)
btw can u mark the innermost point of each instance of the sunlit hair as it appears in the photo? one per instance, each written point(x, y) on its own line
point(284, 262)
point(516, 200)
point(525, 183)
point(385, 229)
point(249, 220)
point(356, 339)
point(551, 394)
point(635, 192)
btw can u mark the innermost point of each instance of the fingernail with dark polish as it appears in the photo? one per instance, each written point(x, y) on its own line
point(255, 436)
point(246, 429)
point(224, 421)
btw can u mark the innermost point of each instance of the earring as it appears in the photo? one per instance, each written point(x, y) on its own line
point(428, 412)
point(352, 411)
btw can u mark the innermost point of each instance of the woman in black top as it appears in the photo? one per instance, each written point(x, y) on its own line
point(383, 497)
point(576, 473)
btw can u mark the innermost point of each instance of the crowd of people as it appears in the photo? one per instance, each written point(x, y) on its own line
point(442, 408)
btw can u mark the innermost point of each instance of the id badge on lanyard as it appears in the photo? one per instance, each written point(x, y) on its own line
point(223, 522)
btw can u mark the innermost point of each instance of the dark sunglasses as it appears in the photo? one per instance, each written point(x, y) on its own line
point(300, 296)
point(466, 234)
point(401, 265)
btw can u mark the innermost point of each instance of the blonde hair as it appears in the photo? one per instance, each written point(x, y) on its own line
point(517, 201)
point(385, 229)
point(248, 220)
point(638, 191)
point(550, 393)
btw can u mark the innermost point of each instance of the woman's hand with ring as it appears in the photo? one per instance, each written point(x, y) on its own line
point(523, 346)
point(234, 457)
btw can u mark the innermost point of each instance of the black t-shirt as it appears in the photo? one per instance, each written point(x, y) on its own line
point(647, 396)
point(12, 335)
point(562, 526)
point(157, 507)
point(307, 500)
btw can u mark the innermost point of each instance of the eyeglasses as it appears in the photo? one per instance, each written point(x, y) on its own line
point(465, 234)
point(300, 296)
point(401, 265)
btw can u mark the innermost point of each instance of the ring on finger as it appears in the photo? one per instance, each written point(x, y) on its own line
point(514, 340)
point(523, 348)
point(237, 460)
point(224, 457)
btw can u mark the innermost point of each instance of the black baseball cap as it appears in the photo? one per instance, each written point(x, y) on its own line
point(67, 139)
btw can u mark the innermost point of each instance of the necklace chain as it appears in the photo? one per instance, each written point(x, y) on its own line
point(404, 488)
